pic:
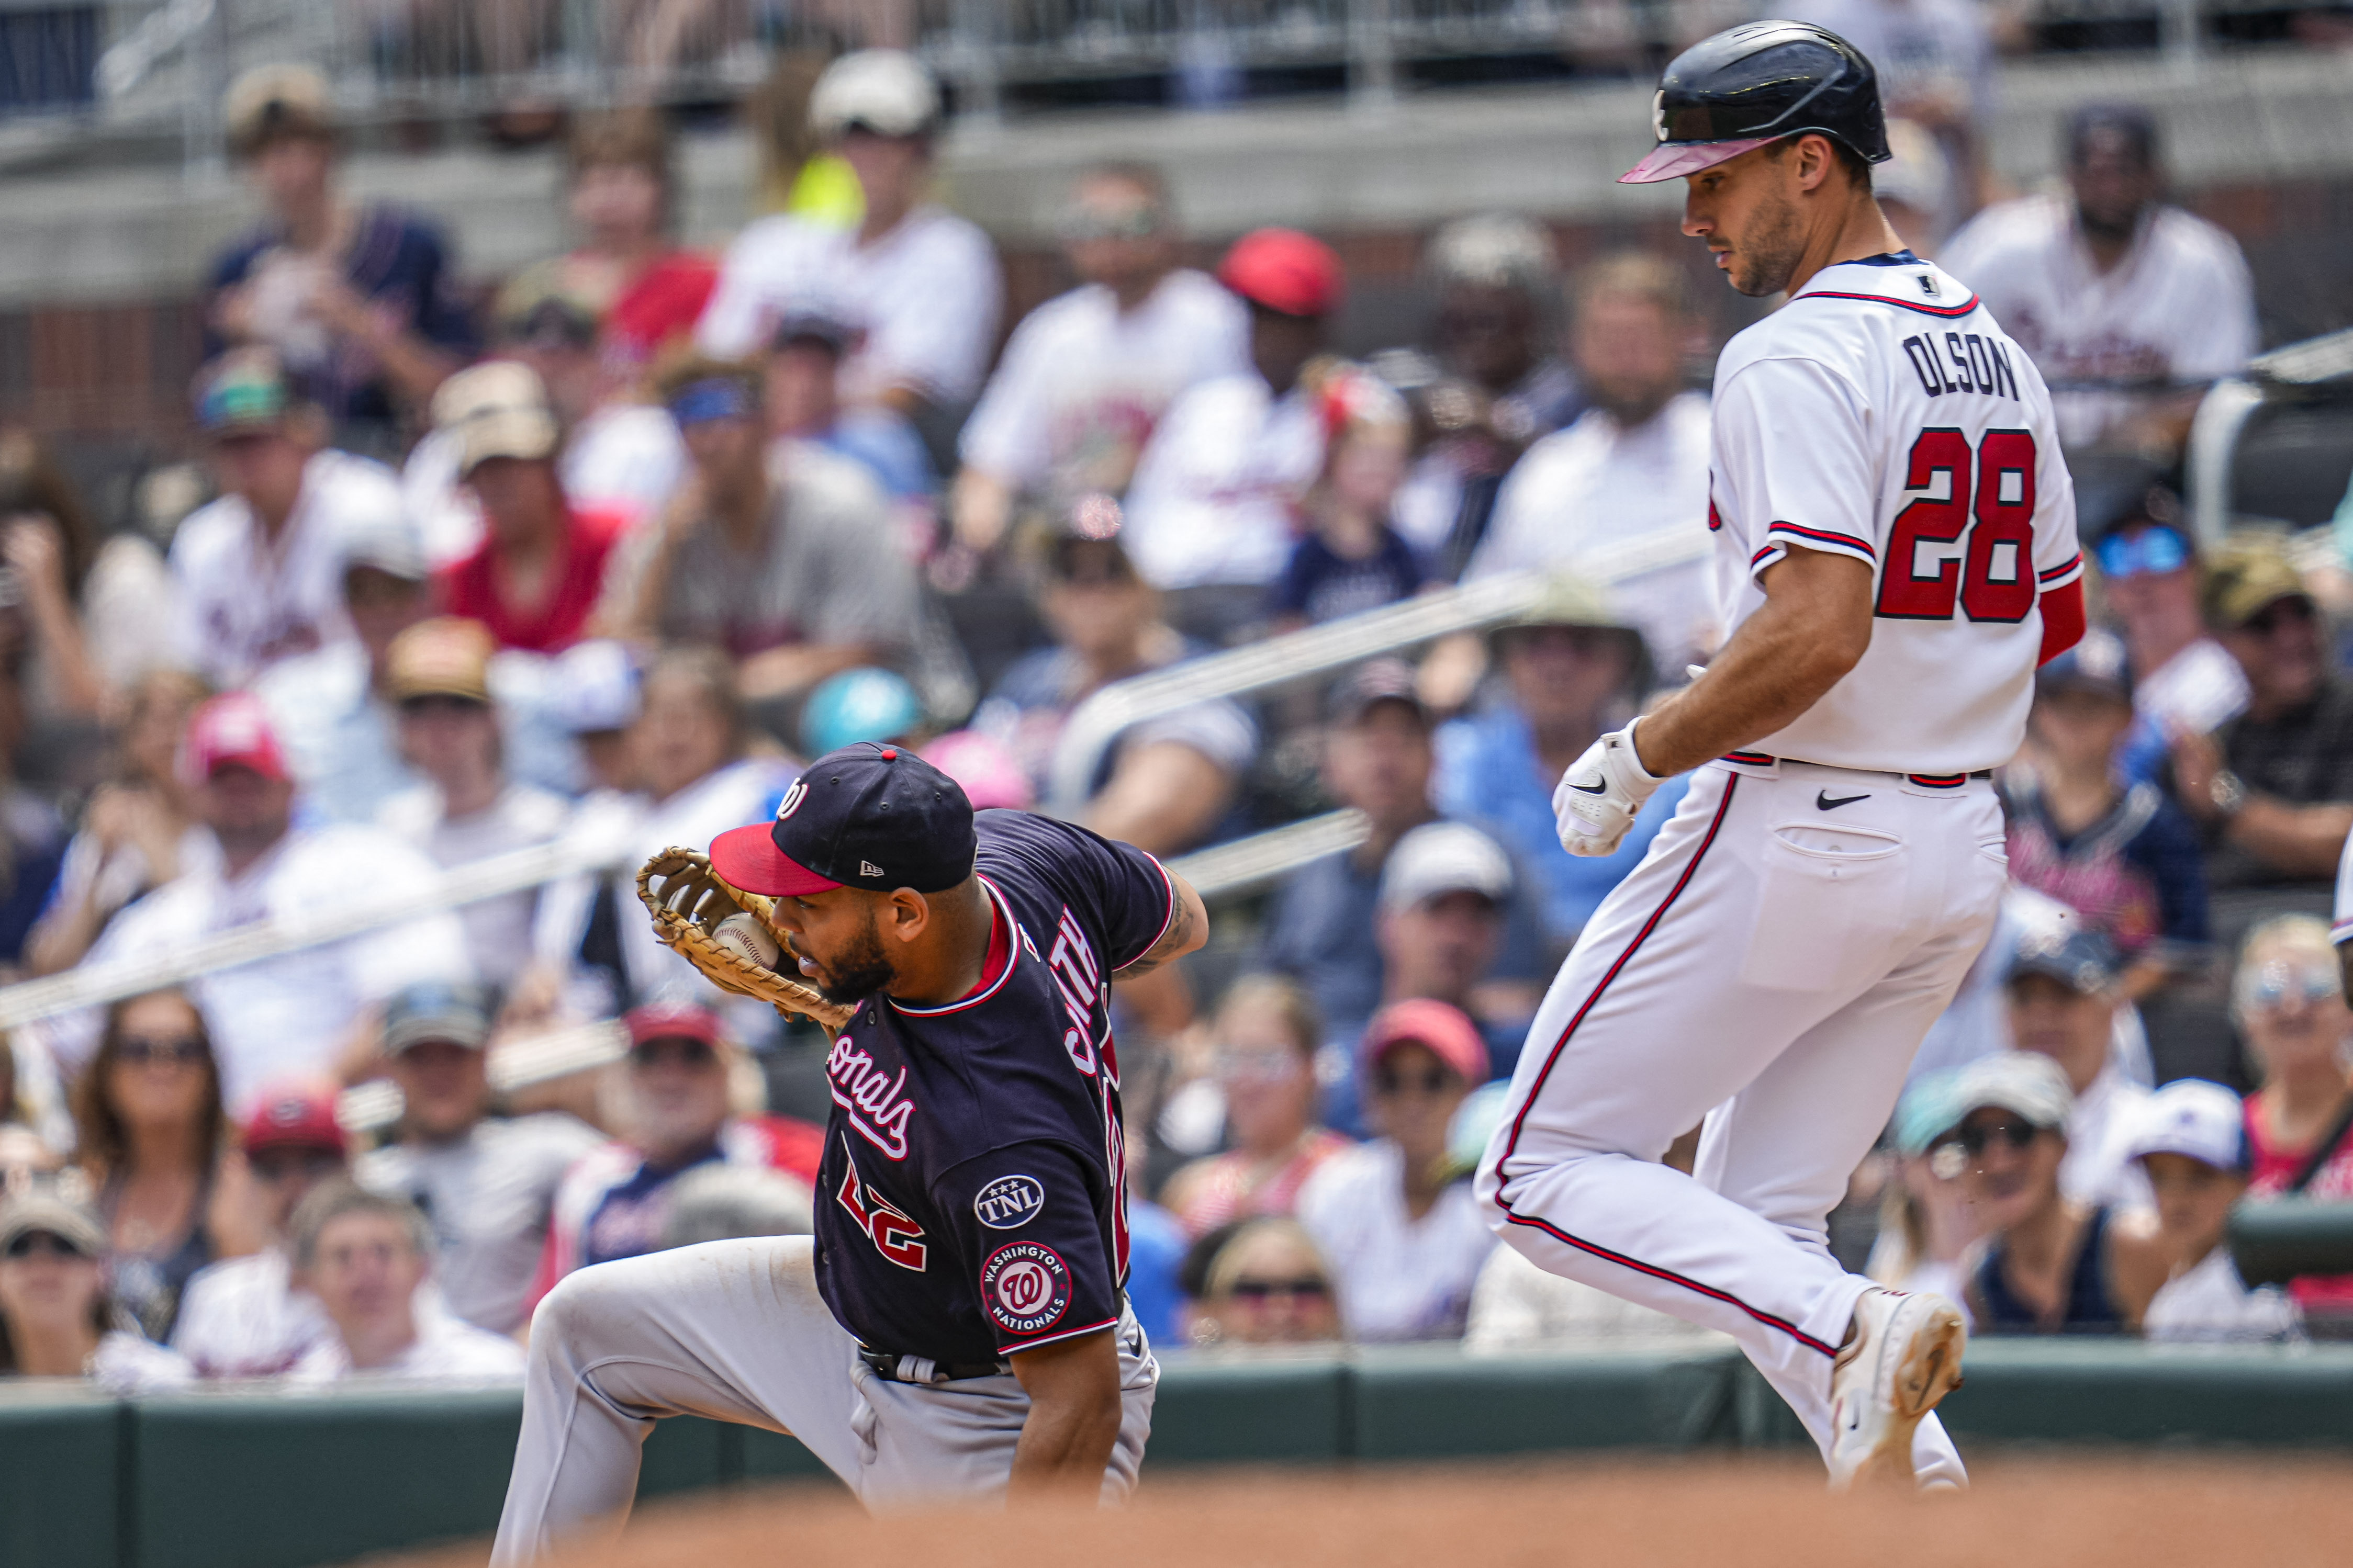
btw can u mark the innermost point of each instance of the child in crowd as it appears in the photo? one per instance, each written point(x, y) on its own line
point(2122, 855)
point(2191, 1139)
point(1350, 559)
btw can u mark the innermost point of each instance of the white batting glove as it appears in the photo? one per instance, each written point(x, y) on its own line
point(1601, 794)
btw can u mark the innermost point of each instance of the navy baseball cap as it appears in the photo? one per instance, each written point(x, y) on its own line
point(868, 815)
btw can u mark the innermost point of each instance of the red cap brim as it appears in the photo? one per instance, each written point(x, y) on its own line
point(748, 859)
point(1674, 160)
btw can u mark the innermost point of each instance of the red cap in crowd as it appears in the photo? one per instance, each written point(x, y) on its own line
point(673, 1021)
point(1450, 1036)
point(232, 730)
point(1284, 270)
point(293, 1115)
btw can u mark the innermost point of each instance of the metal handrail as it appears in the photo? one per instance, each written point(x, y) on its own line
point(94, 985)
point(1277, 661)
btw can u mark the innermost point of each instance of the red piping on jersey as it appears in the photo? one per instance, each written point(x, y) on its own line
point(1756, 759)
point(1730, 786)
point(2061, 568)
point(1003, 920)
point(1822, 535)
point(1949, 312)
point(1938, 781)
point(1049, 1339)
point(1169, 920)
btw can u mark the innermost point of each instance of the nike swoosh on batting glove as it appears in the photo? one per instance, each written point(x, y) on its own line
point(1601, 794)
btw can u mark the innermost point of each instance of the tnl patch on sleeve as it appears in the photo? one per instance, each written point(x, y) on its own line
point(1008, 1201)
point(1027, 1287)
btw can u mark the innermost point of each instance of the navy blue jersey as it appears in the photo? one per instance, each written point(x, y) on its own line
point(972, 1199)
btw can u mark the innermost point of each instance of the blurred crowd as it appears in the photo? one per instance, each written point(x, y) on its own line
point(586, 565)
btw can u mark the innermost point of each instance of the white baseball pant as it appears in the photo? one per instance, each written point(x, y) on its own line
point(1770, 966)
point(735, 1330)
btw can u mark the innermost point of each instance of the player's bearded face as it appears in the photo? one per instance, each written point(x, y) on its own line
point(1768, 242)
point(857, 968)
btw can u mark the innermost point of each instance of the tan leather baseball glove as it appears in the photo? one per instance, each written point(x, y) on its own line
point(687, 900)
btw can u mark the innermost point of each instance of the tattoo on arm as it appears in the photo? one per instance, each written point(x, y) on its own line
point(1173, 941)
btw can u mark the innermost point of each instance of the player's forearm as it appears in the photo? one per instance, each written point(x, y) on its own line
point(1812, 628)
point(1073, 1422)
point(2300, 840)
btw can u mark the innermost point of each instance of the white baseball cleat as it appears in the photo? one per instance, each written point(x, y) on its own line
point(1905, 1355)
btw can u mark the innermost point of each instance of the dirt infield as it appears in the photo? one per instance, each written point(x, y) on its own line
point(2025, 1512)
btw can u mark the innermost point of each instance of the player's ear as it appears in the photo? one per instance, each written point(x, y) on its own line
point(906, 914)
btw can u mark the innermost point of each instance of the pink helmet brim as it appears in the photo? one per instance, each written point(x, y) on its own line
point(1674, 160)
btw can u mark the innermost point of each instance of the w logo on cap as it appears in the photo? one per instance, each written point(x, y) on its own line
point(793, 798)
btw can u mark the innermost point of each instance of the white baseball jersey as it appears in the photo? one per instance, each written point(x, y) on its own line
point(1884, 413)
point(2179, 308)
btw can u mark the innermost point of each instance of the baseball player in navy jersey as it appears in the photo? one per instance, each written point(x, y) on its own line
point(1896, 552)
point(956, 1326)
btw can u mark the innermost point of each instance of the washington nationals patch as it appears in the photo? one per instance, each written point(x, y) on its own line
point(1027, 1287)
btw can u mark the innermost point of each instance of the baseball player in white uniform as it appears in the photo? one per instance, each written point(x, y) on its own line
point(1895, 554)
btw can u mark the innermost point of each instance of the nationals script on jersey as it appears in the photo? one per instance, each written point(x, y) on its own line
point(1883, 413)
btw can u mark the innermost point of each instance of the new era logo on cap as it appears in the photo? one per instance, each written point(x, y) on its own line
point(852, 813)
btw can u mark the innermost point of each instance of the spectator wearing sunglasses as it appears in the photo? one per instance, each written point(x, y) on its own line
point(2048, 1266)
point(147, 1114)
point(1267, 1034)
point(2288, 1001)
point(1394, 1216)
point(780, 560)
point(2191, 1139)
point(1087, 375)
point(680, 1112)
point(1260, 1283)
point(2184, 680)
point(1926, 1223)
point(2122, 856)
point(2062, 992)
point(247, 1317)
point(2273, 787)
point(57, 1317)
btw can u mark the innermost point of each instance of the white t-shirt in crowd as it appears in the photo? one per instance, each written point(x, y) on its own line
point(1083, 382)
point(2210, 1301)
point(290, 1015)
point(1215, 492)
point(1624, 506)
point(1399, 1278)
point(242, 603)
point(1848, 421)
point(927, 294)
point(2179, 307)
point(2096, 1171)
point(445, 1351)
point(488, 1195)
point(242, 1317)
point(520, 819)
point(1517, 1306)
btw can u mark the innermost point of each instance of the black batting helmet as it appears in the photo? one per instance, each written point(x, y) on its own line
point(1756, 83)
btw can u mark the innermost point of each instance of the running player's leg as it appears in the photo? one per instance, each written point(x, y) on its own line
point(1734, 939)
point(1784, 1147)
point(731, 1330)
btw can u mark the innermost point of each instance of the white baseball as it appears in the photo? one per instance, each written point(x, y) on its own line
point(746, 938)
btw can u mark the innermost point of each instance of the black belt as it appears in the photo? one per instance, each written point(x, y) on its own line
point(1931, 781)
point(894, 1368)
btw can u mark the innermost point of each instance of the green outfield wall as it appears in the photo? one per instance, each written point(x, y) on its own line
point(253, 1480)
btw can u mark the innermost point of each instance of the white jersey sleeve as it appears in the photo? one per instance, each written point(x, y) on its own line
point(1795, 450)
point(1884, 415)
